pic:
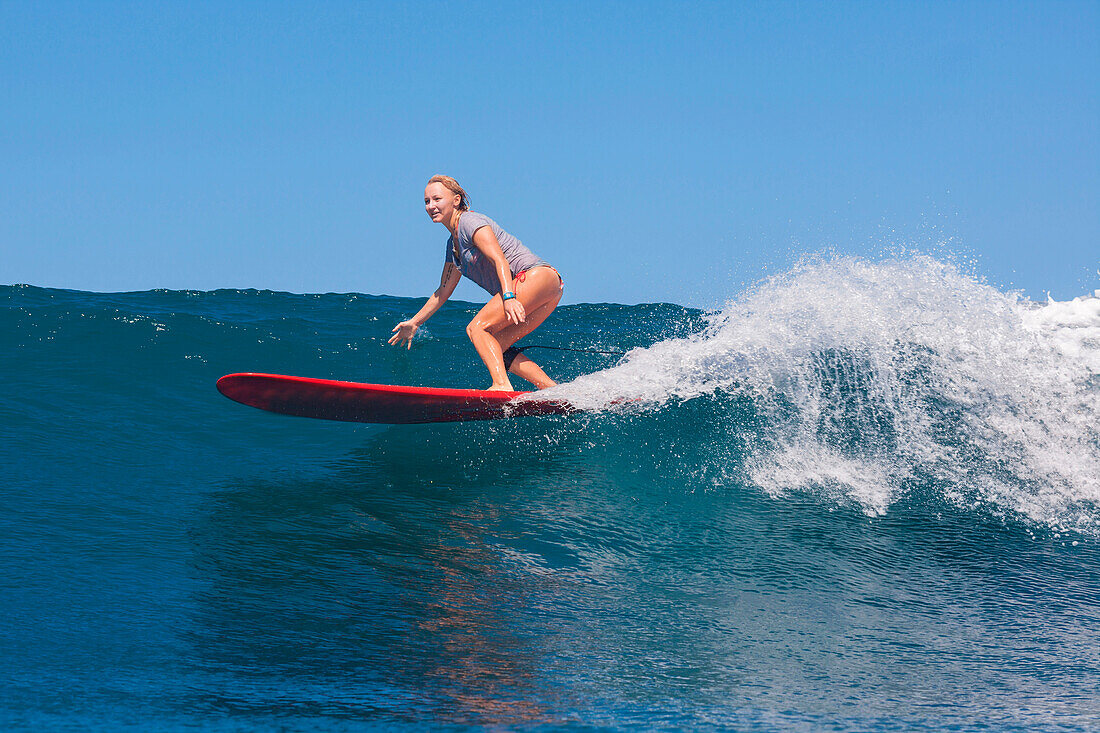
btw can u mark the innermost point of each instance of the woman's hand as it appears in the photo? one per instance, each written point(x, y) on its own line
point(404, 331)
point(514, 310)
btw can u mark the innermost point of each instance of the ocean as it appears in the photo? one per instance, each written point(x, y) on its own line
point(861, 495)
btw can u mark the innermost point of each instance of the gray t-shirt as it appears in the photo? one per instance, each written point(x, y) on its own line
point(477, 266)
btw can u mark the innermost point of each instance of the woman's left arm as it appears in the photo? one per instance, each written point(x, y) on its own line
point(486, 243)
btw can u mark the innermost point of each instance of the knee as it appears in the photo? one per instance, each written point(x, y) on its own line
point(474, 328)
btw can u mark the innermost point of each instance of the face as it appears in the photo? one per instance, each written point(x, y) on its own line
point(440, 202)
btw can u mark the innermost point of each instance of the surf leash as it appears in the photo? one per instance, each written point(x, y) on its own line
point(570, 348)
point(512, 352)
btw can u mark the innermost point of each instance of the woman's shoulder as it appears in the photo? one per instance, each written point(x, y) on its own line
point(471, 221)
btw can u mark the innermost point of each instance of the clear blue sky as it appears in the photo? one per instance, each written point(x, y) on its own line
point(671, 151)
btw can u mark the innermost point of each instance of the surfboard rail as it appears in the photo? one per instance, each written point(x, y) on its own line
point(330, 399)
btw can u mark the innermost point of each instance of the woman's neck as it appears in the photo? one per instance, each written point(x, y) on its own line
point(452, 225)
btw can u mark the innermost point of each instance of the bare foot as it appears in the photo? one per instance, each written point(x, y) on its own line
point(500, 388)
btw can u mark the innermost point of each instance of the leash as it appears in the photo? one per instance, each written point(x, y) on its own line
point(569, 348)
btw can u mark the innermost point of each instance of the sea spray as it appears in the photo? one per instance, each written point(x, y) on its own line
point(873, 377)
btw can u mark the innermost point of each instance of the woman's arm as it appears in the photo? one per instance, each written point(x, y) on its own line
point(487, 244)
point(405, 330)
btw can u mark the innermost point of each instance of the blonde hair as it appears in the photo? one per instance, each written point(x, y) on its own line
point(452, 185)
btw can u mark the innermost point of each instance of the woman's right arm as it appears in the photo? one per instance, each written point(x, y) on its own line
point(405, 330)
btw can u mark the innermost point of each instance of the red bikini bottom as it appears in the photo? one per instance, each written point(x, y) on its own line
point(523, 275)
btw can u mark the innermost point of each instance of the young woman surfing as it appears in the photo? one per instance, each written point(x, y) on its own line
point(525, 289)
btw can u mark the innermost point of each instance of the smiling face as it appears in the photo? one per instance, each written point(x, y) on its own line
point(440, 202)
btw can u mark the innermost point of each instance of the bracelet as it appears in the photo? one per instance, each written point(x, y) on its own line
point(508, 296)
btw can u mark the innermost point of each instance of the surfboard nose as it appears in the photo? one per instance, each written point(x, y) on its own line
point(245, 387)
point(230, 385)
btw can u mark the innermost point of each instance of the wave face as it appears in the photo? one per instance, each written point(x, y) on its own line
point(871, 380)
point(862, 495)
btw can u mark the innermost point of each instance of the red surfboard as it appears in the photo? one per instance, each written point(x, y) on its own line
point(329, 399)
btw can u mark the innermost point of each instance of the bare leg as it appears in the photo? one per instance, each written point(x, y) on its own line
point(524, 366)
point(526, 369)
point(491, 332)
point(488, 348)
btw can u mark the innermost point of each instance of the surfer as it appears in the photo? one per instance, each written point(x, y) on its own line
point(525, 288)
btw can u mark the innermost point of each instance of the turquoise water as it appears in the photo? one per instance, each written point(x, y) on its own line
point(861, 496)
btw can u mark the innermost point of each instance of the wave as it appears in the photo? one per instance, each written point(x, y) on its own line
point(869, 380)
point(851, 381)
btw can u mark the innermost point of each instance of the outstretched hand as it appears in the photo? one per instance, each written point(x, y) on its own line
point(404, 331)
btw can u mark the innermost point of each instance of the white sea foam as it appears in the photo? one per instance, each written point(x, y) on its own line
point(872, 376)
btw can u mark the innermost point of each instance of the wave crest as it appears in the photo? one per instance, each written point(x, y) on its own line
point(871, 377)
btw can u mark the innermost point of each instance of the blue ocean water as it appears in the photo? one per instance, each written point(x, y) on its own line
point(864, 495)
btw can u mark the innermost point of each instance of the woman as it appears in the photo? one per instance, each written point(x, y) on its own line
point(525, 289)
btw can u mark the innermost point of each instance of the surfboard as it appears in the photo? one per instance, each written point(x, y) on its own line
point(330, 399)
